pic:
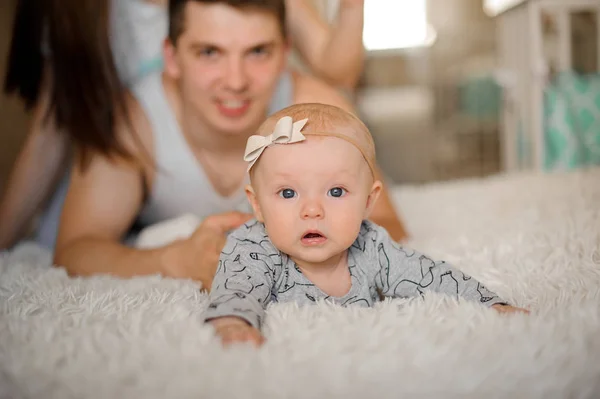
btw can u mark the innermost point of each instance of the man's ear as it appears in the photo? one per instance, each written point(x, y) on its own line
point(287, 46)
point(171, 64)
point(373, 196)
point(251, 195)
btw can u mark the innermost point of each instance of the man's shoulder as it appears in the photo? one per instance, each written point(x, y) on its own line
point(134, 129)
point(131, 134)
point(141, 101)
point(309, 89)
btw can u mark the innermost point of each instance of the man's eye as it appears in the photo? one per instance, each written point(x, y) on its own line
point(207, 52)
point(337, 192)
point(287, 193)
point(259, 51)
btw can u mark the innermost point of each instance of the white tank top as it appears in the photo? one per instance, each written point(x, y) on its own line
point(180, 185)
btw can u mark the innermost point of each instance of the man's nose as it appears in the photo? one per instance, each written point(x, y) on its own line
point(312, 209)
point(236, 77)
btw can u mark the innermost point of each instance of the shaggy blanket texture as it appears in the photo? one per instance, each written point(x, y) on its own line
point(534, 239)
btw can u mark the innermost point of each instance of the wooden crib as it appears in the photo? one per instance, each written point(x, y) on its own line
point(527, 60)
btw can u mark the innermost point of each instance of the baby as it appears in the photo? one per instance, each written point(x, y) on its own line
point(312, 187)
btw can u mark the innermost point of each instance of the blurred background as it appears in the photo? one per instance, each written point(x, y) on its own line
point(452, 88)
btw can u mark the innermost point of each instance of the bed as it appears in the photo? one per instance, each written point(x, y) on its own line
point(533, 238)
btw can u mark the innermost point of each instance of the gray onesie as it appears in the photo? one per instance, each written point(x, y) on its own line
point(253, 273)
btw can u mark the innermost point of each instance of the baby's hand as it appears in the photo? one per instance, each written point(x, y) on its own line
point(234, 329)
point(509, 309)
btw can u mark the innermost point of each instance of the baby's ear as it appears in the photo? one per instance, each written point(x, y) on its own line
point(373, 196)
point(251, 195)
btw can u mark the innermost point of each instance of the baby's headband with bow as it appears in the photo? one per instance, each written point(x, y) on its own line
point(288, 132)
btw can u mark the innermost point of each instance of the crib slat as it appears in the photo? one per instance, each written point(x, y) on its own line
point(598, 39)
point(565, 53)
point(538, 69)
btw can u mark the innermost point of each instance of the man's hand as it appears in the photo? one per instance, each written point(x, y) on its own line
point(198, 256)
point(234, 330)
point(509, 309)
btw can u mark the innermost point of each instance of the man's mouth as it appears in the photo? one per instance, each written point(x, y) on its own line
point(233, 108)
point(233, 104)
point(313, 237)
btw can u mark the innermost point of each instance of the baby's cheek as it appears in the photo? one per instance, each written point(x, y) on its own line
point(348, 225)
point(281, 237)
point(279, 227)
point(277, 212)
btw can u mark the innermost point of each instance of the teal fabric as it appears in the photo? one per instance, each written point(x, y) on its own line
point(524, 154)
point(480, 97)
point(572, 122)
point(150, 66)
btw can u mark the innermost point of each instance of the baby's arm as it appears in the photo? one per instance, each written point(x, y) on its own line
point(240, 291)
point(234, 329)
point(406, 273)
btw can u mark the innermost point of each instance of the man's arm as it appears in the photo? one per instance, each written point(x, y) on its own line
point(101, 204)
point(311, 90)
point(384, 213)
point(334, 53)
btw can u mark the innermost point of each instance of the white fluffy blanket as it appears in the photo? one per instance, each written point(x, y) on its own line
point(533, 239)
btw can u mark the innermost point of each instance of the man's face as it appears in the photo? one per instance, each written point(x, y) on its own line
point(227, 63)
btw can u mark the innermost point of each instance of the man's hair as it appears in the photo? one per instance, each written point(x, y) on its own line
point(177, 12)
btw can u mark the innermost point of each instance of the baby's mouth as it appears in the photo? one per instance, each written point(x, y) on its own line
point(313, 238)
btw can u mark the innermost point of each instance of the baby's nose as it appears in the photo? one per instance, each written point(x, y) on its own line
point(312, 209)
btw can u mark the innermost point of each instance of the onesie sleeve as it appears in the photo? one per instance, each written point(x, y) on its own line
point(405, 273)
point(243, 282)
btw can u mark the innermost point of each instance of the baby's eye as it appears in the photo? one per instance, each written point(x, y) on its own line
point(337, 192)
point(287, 193)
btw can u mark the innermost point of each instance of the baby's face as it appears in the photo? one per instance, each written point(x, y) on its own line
point(313, 196)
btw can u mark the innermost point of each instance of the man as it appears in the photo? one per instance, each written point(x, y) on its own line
point(224, 61)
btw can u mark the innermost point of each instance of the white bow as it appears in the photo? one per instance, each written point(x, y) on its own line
point(285, 132)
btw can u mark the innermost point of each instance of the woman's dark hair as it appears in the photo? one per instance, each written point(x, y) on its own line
point(86, 94)
point(25, 60)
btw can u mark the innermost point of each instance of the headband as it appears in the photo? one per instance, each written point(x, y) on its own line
point(288, 132)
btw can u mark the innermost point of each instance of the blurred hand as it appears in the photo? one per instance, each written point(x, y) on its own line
point(352, 3)
point(509, 309)
point(235, 330)
point(197, 257)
